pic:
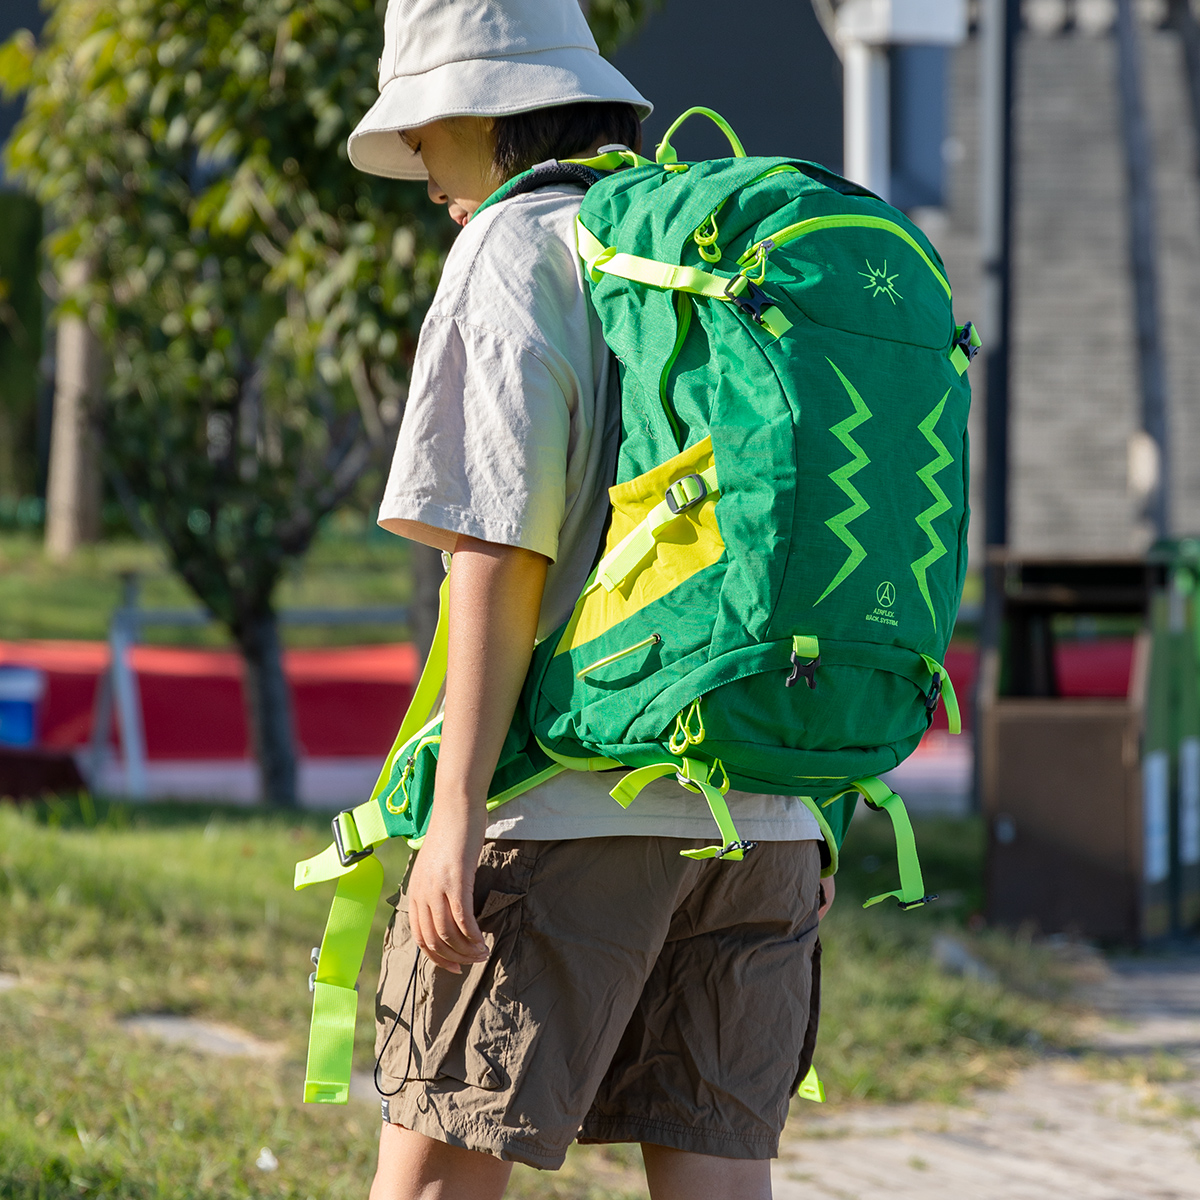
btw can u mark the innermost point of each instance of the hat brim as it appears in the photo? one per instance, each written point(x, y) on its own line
point(481, 87)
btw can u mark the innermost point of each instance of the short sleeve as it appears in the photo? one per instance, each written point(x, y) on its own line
point(484, 443)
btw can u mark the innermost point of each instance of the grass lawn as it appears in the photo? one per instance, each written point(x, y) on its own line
point(346, 567)
point(110, 912)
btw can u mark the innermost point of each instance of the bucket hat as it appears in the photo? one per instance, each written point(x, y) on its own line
point(481, 58)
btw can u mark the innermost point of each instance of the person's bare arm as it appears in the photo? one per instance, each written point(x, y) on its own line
point(495, 596)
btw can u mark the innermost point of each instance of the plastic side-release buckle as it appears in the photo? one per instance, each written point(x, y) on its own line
point(933, 697)
point(345, 837)
point(751, 299)
point(681, 495)
point(805, 670)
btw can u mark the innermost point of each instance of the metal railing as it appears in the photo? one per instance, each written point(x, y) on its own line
point(117, 687)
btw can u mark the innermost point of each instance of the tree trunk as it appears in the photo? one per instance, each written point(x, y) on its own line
point(269, 710)
point(425, 564)
point(73, 491)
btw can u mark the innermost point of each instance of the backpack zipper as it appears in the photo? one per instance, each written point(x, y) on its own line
point(846, 221)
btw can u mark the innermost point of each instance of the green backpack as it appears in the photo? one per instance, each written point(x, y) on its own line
point(787, 544)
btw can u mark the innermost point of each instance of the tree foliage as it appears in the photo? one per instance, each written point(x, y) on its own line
point(259, 297)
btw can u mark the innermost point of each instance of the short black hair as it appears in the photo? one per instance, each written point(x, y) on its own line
point(525, 139)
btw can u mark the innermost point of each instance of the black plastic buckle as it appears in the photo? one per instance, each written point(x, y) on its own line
point(743, 846)
point(674, 505)
point(931, 700)
point(801, 668)
point(347, 857)
point(926, 899)
point(963, 341)
point(753, 301)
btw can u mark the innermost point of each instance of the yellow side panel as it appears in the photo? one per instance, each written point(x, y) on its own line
point(689, 544)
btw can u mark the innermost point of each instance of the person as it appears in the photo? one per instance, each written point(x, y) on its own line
point(572, 975)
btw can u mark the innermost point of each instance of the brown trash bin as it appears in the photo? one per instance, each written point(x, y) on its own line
point(1061, 778)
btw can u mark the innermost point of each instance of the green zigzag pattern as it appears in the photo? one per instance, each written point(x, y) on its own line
point(842, 476)
point(940, 503)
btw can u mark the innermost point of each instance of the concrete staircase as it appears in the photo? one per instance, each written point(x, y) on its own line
point(1075, 402)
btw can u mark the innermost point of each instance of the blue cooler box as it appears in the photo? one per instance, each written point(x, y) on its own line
point(21, 688)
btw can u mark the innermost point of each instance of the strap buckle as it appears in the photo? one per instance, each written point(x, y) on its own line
point(343, 832)
point(743, 846)
point(928, 898)
point(688, 501)
point(967, 341)
point(935, 694)
point(753, 301)
point(806, 669)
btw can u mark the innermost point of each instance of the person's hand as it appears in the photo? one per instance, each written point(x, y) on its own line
point(828, 887)
point(441, 908)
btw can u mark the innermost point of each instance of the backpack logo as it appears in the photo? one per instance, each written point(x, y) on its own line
point(885, 601)
point(879, 282)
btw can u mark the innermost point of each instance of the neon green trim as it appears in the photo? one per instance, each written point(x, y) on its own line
point(812, 1088)
point(826, 832)
point(520, 789)
point(430, 684)
point(616, 566)
point(652, 640)
point(814, 224)
point(942, 459)
point(953, 715)
point(838, 525)
point(665, 152)
point(578, 764)
point(335, 1002)
point(804, 646)
point(959, 360)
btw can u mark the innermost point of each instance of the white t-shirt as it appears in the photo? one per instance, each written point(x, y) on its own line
point(510, 435)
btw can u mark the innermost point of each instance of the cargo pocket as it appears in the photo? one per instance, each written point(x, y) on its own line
point(465, 1023)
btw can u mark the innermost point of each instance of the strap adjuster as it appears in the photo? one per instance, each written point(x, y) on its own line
point(968, 341)
point(688, 500)
point(752, 300)
point(345, 832)
point(928, 898)
point(934, 695)
point(743, 846)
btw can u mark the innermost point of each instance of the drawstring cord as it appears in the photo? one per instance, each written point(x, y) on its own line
point(412, 1020)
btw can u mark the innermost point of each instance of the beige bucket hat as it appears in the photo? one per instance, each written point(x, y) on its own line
point(484, 58)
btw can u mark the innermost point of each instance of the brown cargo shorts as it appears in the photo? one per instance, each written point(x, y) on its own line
point(631, 995)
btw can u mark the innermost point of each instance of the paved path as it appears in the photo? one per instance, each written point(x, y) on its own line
point(1058, 1130)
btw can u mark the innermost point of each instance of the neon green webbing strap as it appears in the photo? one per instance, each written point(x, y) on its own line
point(607, 260)
point(953, 715)
point(811, 1088)
point(615, 567)
point(878, 795)
point(426, 693)
point(335, 1002)
point(689, 771)
point(339, 960)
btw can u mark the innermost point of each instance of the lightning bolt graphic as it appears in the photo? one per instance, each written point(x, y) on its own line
point(940, 504)
point(838, 525)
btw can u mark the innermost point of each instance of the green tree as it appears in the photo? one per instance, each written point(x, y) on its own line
point(260, 298)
